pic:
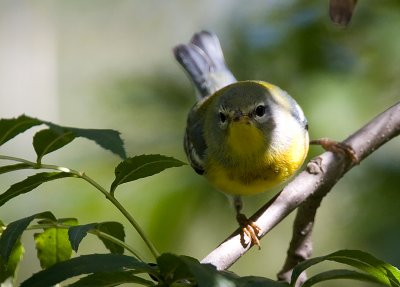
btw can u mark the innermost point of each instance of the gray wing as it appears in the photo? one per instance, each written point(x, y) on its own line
point(194, 143)
point(204, 61)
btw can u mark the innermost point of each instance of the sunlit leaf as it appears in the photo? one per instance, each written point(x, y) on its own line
point(30, 183)
point(339, 274)
point(9, 128)
point(86, 264)
point(46, 141)
point(7, 269)
point(110, 279)
point(13, 232)
point(52, 245)
point(77, 233)
point(142, 166)
point(383, 272)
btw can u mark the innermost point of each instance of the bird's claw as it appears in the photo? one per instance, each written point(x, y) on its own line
point(250, 229)
point(337, 148)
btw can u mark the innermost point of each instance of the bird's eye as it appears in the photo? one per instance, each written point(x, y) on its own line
point(222, 117)
point(260, 110)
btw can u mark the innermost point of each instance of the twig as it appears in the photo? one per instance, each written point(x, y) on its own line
point(321, 175)
point(301, 246)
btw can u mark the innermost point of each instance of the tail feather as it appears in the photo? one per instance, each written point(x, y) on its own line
point(203, 60)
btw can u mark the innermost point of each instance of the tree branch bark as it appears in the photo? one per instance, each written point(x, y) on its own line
point(312, 184)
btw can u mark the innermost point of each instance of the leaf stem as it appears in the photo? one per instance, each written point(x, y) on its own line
point(17, 159)
point(92, 182)
point(94, 232)
point(127, 215)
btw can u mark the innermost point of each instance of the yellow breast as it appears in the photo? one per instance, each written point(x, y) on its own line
point(252, 172)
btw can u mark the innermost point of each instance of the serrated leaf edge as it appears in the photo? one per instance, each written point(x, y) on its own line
point(18, 125)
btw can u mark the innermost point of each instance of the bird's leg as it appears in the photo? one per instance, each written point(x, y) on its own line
point(249, 227)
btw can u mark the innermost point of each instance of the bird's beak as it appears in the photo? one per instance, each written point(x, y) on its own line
point(239, 117)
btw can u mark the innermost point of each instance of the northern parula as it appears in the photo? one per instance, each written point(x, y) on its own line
point(243, 136)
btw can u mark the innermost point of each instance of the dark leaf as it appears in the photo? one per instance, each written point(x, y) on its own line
point(14, 167)
point(77, 233)
point(206, 275)
point(383, 272)
point(142, 166)
point(53, 244)
point(339, 274)
point(47, 141)
point(178, 269)
point(172, 268)
point(13, 232)
point(253, 281)
point(106, 138)
point(10, 128)
point(30, 183)
point(116, 230)
point(110, 279)
point(86, 264)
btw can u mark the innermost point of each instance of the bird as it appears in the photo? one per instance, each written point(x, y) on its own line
point(243, 136)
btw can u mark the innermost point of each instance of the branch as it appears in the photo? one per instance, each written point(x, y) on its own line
point(321, 175)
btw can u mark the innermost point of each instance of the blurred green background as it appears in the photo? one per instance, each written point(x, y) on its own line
point(108, 64)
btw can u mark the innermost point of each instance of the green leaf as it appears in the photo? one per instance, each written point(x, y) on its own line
point(77, 233)
point(110, 279)
point(7, 269)
point(9, 128)
point(106, 138)
point(86, 264)
point(46, 141)
point(53, 244)
point(14, 167)
point(142, 166)
point(30, 183)
point(206, 275)
point(13, 232)
point(177, 269)
point(116, 230)
point(253, 281)
point(172, 268)
point(339, 274)
point(383, 272)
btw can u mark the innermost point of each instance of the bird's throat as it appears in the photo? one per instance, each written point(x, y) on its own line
point(244, 139)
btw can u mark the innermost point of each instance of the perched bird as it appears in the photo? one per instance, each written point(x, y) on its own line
point(243, 136)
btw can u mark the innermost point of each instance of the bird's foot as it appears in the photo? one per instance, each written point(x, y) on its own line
point(337, 148)
point(250, 229)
